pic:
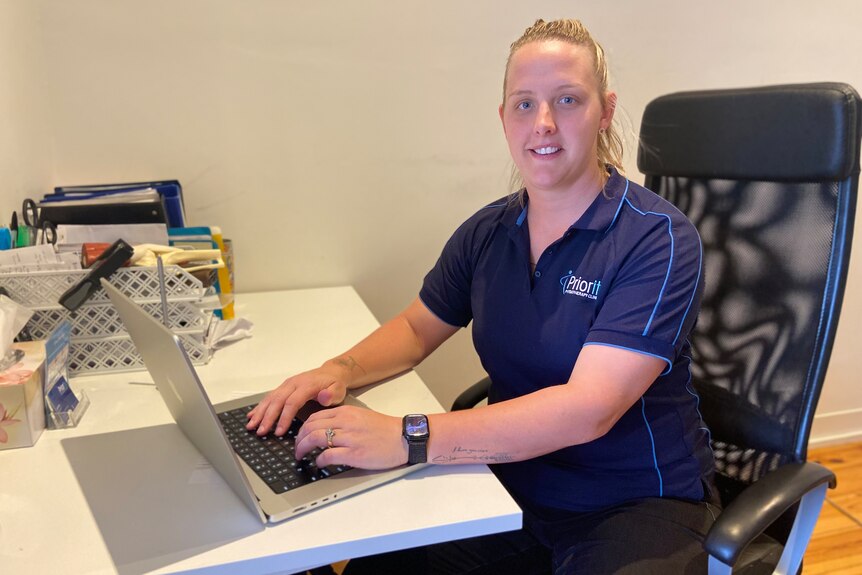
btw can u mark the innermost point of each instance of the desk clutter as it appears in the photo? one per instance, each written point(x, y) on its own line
point(99, 341)
point(34, 381)
point(52, 257)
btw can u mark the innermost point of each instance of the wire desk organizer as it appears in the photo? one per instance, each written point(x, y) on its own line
point(100, 342)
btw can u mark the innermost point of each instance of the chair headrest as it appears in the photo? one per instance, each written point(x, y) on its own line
point(801, 132)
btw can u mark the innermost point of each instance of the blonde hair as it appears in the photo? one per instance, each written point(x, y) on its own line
point(610, 143)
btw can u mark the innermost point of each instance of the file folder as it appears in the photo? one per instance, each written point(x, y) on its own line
point(171, 193)
point(204, 237)
point(76, 213)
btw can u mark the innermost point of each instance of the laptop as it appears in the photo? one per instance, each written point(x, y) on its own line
point(261, 471)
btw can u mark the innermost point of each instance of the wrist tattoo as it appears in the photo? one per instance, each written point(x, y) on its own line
point(469, 455)
point(348, 362)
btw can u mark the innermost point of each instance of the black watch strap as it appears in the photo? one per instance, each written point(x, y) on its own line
point(417, 451)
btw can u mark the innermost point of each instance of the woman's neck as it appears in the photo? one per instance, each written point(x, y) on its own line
point(554, 211)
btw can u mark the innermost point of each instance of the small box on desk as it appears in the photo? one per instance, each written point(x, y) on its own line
point(22, 400)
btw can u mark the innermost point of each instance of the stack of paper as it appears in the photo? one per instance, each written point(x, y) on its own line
point(70, 238)
point(39, 258)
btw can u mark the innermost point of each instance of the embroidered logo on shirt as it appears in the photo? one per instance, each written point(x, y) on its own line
point(580, 287)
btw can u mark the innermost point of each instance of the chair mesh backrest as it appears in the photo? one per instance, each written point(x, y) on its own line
point(776, 248)
point(767, 250)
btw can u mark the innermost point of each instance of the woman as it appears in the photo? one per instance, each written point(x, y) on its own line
point(582, 292)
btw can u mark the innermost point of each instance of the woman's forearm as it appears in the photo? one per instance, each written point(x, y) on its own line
point(604, 384)
point(396, 346)
point(522, 428)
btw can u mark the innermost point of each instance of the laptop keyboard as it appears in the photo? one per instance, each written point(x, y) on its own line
point(272, 457)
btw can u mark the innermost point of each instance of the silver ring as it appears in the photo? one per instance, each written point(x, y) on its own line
point(330, 433)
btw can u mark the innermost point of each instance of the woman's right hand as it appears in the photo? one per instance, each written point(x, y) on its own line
point(396, 346)
point(326, 384)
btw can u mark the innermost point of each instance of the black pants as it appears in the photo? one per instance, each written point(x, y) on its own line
point(641, 537)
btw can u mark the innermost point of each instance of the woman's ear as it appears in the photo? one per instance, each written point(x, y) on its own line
point(608, 110)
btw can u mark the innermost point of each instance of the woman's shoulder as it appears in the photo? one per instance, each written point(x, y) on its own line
point(478, 232)
point(503, 211)
point(644, 202)
point(496, 210)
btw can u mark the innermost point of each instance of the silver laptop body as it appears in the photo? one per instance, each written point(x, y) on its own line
point(182, 391)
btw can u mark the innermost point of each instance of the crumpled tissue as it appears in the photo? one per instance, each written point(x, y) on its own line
point(222, 333)
point(13, 318)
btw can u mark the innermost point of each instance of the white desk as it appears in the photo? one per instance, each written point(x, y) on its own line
point(126, 493)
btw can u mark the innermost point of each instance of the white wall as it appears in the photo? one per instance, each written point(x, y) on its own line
point(25, 160)
point(342, 142)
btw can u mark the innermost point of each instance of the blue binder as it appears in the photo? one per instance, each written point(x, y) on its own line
point(170, 191)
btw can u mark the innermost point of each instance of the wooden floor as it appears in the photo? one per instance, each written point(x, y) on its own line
point(836, 546)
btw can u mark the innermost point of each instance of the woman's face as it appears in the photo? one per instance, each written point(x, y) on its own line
point(552, 114)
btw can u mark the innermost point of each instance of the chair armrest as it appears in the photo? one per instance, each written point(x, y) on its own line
point(472, 395)
point(761, 504)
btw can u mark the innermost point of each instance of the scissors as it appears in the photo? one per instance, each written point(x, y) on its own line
point(48, 233)
point(40, 232)
point(31, 213)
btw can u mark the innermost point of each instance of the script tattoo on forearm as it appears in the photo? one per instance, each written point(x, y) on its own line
point(473, 455)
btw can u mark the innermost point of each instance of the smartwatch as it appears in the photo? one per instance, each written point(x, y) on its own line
point(415, 431)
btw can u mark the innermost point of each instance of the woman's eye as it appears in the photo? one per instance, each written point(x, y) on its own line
point(524, 106)
point(567, 100)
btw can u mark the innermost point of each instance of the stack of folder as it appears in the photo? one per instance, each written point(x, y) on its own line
point(202, 237)
point(131, 203)
point(100, 207)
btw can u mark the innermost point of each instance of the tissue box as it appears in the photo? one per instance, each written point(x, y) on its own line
point(22, 400)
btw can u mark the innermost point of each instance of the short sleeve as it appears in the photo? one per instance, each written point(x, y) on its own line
point(653, 301)
point(446, 288)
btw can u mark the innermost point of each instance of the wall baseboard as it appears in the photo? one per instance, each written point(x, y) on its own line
point(836, 427)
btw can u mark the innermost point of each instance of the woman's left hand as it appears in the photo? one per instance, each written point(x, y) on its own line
point(360, 438)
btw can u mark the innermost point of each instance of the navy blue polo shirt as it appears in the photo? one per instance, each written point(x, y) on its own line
point(627, 274)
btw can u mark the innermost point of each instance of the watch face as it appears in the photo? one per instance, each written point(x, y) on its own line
point(416, 425)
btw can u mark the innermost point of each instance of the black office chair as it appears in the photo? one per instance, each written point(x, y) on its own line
point(769, 177)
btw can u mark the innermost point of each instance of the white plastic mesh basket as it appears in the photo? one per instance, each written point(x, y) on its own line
point(101, 319)
point(43, 289)
point(104, 354)
point(99, 339)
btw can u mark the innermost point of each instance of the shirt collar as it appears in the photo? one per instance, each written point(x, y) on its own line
point(601, 214)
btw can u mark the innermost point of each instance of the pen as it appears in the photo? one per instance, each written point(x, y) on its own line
point(13, 228)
